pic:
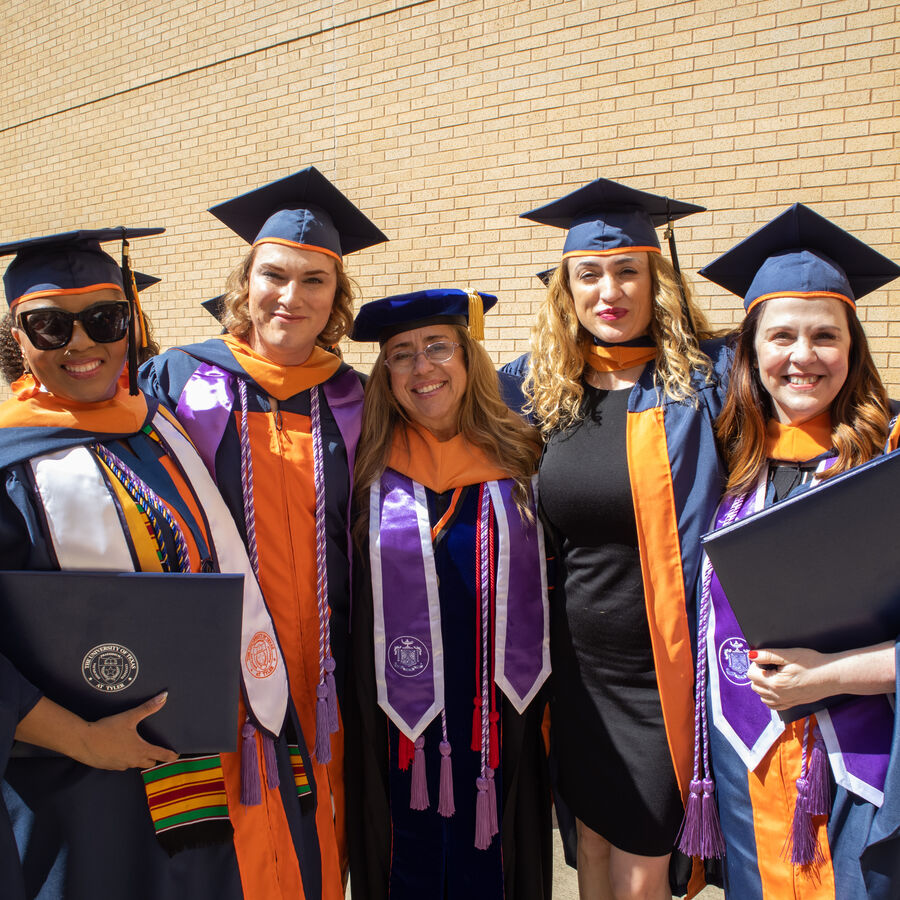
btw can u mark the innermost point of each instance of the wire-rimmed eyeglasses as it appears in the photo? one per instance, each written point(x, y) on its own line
point(403, 360)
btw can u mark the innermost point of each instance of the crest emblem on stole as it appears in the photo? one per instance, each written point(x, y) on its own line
point(734, 660)
point(408, 656)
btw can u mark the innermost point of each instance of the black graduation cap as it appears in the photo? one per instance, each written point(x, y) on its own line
point(65, 262)
point(606, 217)
point(303, 210)
point(215, 306)
point(382, 319)
point(800, 253)
point(143, 281)
point(545, 276)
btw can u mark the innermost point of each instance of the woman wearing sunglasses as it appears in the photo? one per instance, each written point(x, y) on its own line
point(448, 785)
point(96, 477)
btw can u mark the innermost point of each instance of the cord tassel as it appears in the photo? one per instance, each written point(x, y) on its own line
point(805, 848)
point(483, 836)
point(818, 797)
point(446, 805)
point(251, 790)
point(405, 751)
point(418, 792)
point(333, 721)
point(494, 741)
point(492, 801)
point(268, 745)
point(323, 733)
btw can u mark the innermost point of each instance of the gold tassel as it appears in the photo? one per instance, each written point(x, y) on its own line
point(476, 314)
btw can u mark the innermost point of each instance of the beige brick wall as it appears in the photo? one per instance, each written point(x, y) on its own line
point(444, 119)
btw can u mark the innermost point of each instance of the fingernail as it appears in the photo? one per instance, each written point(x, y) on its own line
point(161, 698)
point(752, 654)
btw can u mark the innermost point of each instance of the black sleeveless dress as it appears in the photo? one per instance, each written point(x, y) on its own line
point(615, 767)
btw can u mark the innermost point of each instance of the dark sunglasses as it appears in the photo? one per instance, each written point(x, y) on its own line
point(50, 328)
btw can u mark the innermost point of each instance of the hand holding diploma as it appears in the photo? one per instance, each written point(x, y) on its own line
point(797, 676)
point(109, 743)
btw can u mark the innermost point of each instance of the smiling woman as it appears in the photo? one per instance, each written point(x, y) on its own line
point(75, 345)
point(276, 417)
point(808, 807)
point(446, 803)
point(428, 377)
point(290, 299)
point(624, 383)
point(97, 477)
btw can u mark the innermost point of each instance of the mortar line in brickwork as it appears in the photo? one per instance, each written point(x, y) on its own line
point(219, 62)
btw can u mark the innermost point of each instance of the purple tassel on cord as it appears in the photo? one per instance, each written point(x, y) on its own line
point(492, 801)
point(333, 723)
point(272, 779)
point(418, 791)
point(323, 735)
point(251, 790)
point(446, 806)
point(483, 836)
point(804, 845)
point(689, 836)
point(818, 796)
point(712, 843)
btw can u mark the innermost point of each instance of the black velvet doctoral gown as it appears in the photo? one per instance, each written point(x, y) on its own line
point(401, 853)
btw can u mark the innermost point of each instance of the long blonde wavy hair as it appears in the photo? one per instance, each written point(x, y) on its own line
point(236, 318)
point(483, 419)
point(553, 385)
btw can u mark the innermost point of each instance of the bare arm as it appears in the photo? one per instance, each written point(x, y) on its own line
point(110, 743)
point(803, 676)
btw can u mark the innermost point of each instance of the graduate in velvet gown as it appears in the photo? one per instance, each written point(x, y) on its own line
point(448, 787)
point(276, 418)
point(625, 382)
point(95, 476)
point(809, 809)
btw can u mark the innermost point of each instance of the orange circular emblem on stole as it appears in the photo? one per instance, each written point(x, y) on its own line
point(262, 655)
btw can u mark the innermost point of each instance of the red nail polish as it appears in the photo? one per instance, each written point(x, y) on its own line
point(752, 654)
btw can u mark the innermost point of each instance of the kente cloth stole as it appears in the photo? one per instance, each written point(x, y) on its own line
point(409, 651)
point(84, 518)
point(750, 727)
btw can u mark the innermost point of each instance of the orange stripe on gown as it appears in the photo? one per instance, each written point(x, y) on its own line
point(660, 549)
point(265, 850)
point(284, 499)
point(773, 793)
point(267, 858)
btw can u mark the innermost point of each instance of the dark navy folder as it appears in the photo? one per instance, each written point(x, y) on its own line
point(99, 643)
point(821, 569)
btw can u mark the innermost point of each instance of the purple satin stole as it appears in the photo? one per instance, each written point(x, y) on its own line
point(857, 733)
point(207, 400)
point(409, 649)
point(203, 410)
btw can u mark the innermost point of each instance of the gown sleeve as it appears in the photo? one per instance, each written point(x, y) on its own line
point(366, 756)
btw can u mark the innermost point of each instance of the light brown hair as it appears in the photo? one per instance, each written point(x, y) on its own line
point(236, 319)
point(484, 420)
point(859, 414)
